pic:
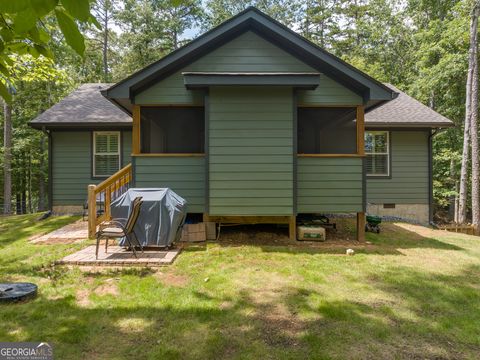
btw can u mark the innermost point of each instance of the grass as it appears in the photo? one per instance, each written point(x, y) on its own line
point(411, 293)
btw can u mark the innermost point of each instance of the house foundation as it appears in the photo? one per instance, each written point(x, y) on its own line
point(414, 212)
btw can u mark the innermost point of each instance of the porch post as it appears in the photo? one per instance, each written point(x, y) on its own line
point(292, 228)
point(361, 152)
point(361, 226)
point(92, 212)
point(360, 130)
point(136, 130)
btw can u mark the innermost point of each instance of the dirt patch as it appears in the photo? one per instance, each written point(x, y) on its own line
point(82, 297)
point(108, 288)
point(226, 305)
point(171, 279)
point(267, 292)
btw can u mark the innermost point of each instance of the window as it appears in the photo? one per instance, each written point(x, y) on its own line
point(328, 130)
point(106, 153)
point(377, 149)
point(172, 130)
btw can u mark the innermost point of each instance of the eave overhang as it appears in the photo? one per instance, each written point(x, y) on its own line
point(79, 125)
point(390, 125)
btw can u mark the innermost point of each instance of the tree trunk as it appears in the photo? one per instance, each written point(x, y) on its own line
point(452, 200)
point(462, 211)
point(29, 194)
point(457, 203)
point(105, 44)
point(474, 122)
point(7, 162)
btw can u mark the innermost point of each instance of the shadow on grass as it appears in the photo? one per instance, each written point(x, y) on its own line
point(271, 238)
point(13, 228)
point(432, 316)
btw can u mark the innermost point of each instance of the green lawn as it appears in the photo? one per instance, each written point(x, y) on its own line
point(411, 293)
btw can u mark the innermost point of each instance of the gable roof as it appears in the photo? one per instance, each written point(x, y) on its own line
point(84, 107)
point(372, 91)
point(405, 111)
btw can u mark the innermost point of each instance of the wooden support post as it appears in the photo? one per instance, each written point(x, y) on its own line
point(361, 226)
point(136, 130)
point(108, 200)
point(360, 130)
point(92, 211)
point(292, 228)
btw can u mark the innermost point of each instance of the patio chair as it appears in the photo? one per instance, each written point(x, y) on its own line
point(121, 228)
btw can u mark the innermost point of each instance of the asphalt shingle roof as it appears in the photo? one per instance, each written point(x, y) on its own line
point(83, 106)
point(405, 111)
point(87, 107)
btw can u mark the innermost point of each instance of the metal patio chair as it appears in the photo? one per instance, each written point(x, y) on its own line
point(121, 228)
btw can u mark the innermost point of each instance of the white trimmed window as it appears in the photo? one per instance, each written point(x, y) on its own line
point(106, 153)
point(377, 149)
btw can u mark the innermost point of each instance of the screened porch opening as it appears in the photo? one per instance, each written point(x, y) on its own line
point(172, 130)
point(327, 130)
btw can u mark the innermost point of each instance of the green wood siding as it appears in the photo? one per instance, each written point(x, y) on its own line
point(409, 171)
point(71, 165)
point(126, 148)
point(251, 174)
point(247, 52)
point(329, 92)
point(170, 90)
point(184, 175)
point(329, 185)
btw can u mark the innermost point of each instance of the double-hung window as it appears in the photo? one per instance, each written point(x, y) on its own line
point(377, 150)
point(106, 153)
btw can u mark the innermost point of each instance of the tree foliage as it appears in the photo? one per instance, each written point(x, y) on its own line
point(22, 31)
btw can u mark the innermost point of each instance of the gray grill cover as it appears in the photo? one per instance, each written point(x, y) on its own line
point(161, 216)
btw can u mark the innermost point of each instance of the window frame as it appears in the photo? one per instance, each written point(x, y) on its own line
point(94, 152)
point(388, 175)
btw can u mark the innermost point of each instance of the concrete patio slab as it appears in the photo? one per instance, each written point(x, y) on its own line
point(72, 233)
point(118, 256)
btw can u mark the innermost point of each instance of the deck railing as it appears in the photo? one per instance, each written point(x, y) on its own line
point(100, 197)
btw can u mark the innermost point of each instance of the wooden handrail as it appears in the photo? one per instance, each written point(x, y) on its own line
point(103, 194)
point(117, 176)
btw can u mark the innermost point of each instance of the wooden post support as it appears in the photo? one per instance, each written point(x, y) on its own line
point(360, 130)
point(92, 211)
point(292, 228)
point(361, 226)
point(136, 129)
point(108, 200)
